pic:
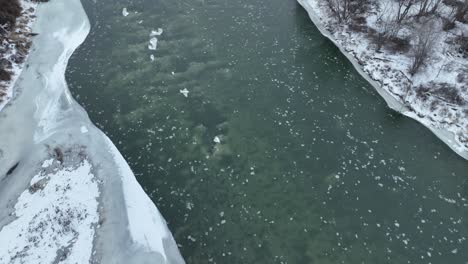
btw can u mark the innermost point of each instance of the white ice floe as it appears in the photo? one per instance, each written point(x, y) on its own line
point(125, 12)
point(185, 92)
point(217, 140)
point(56, 214)
point(152, 57)
point(153, 44)
point(156, 32)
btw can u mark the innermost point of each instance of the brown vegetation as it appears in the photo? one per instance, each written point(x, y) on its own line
point(9, 11)
point(394, 15)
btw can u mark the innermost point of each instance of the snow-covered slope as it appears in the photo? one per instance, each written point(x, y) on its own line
point(13, 50)
point(66, 193)
point(388, 72)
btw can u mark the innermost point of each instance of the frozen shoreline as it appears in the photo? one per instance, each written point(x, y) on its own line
point(49, 141)
point(446, 136)
point(26, 20)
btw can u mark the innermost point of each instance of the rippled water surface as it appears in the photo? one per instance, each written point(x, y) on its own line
point(312, 167)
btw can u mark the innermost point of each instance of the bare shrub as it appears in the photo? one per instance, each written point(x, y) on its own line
point(427, 7)
point(425, 40)
point(5, 75)
point(404, 6)
point(398, 44)
point(443, 92)
point(462, 11)
point(339, 8)
point(388, 25)
point(462, 42)
point(9, 11)
point(459, 12)
point(449, 94)
point(344, 9)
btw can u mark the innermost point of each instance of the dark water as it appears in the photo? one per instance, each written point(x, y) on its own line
point(312, 166)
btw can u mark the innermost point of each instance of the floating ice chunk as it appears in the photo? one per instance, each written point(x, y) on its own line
point(173, 73)
point(152, 57)
point(125, 12)
point(185, 92)
point(141, 21)
point(217, 140)
point(153, 44)
point(156, 32)
point(84, 130)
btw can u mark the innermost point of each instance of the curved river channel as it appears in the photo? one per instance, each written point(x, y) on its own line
point(310, 165)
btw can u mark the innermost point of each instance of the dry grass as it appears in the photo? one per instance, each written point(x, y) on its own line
point(9, 11)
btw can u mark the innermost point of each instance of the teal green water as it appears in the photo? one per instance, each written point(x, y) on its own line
point(312, 166)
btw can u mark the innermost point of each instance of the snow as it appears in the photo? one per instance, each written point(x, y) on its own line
point(58, 212)
point(84, 129)
point(145, 223)
point(72, 198)
point(185, 92)
point(16, 68)
point(153, 44)
point(388, 72)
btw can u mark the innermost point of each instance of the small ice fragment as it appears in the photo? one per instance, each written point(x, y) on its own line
point(84, 130)
point(153, 44)
point(173, 73)
point(185, 92)
point(47, 163)
point(217, 140)
point(125, 12)
point(156, 32)
point(455, 251)
point(152, 57)
point(141, 21)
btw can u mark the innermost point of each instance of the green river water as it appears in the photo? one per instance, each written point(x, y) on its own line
point(312, 166)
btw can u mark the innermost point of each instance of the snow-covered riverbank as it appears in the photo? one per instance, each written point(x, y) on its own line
point(388, 73)
point(14, 49)
point(67, 195)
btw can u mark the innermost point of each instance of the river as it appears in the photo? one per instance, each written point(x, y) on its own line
point(309, 164)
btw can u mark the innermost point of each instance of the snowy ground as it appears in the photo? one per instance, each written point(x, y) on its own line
point(67, 195)
point(14, 49)
point(55, 217)
point(445, 115)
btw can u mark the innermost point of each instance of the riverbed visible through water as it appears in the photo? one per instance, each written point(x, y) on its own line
point(281, 152)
